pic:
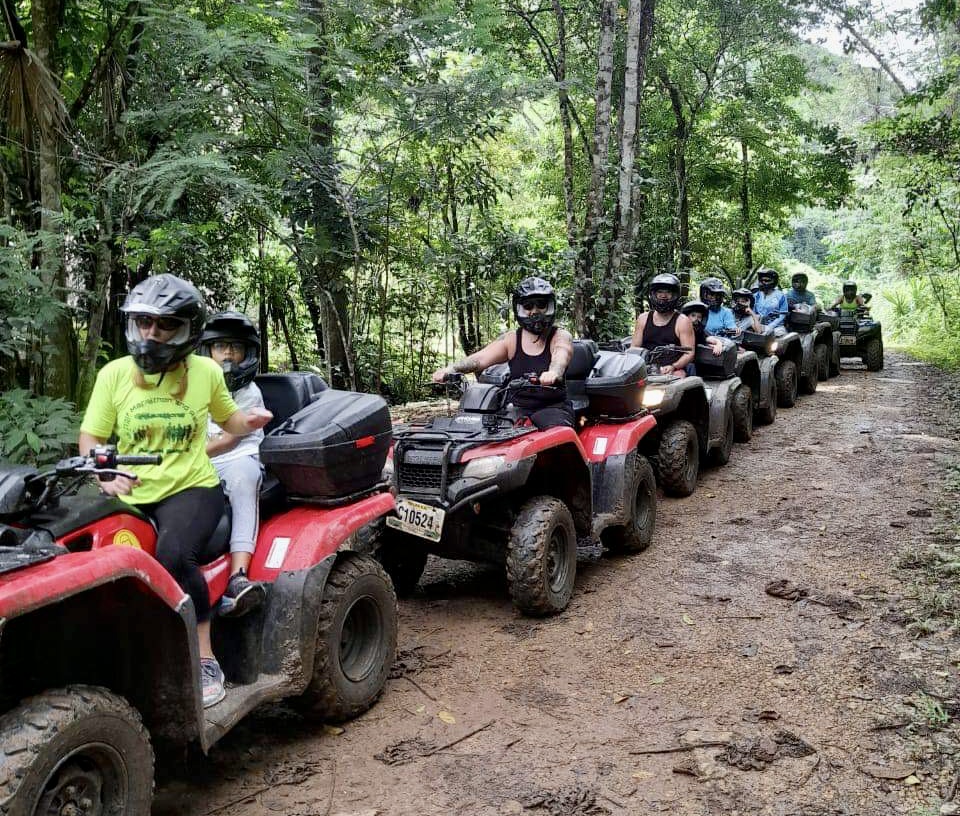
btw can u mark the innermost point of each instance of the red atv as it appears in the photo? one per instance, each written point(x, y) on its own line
point(483, 486)
point(99, 661)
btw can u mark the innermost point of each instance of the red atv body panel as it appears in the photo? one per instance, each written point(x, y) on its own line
point(523, 447)
point(24, 590)
point(602, 441)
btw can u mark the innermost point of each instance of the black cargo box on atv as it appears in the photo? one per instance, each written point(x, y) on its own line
point(713, 367)
point(332, 449)
point(760, 343)
point(616, 383)
point(802, 319)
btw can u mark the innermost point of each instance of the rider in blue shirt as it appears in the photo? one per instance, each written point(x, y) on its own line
point(770, 303)
point(719, 317)
point(798, 291)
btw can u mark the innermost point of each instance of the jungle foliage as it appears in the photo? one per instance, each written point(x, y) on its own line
point(369, 178)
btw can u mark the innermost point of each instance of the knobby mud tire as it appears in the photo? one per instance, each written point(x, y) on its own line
point(768, 414)
point(356, 641)
point(809, 382)
point(873, 355)
point(636, 535)
point(678, 458)
point(823, 362)
point(787, 386)
point(56, 748)
point(721, 455)
point(403, 558)
point(542, 557)
point(743, 414)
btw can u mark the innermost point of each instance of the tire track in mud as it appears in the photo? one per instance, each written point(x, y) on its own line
point(662, 651)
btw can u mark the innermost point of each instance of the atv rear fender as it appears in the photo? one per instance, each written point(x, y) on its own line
point(683, 399)
point(721, 396)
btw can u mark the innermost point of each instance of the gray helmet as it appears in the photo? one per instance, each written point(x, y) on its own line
point(695, 306)
point(743, 292)
point(163, 297)
point(712, 292)
point(534, 293)
point(799, 281)
point(664, 281)
point(238, 327)
point(850, 286)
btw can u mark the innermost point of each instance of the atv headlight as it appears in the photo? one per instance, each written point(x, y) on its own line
point(774, 346)
point(652, 397)
point(484, 467)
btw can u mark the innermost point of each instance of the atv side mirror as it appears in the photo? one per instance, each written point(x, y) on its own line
point(866, 297)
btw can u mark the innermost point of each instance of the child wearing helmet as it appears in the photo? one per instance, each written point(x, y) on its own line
point(743, 313)
point(770, 303)
point(156, 401)
point(663, 325)
point(231, 340)
point(719, 317)
point(537, 347)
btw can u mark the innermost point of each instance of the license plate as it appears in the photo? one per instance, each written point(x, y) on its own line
point(848, 341)
point(418, 519)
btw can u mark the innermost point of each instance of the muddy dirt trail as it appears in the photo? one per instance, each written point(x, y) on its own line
point(756, 659)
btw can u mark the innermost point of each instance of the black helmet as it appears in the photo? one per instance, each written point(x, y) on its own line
point(712, 292)
point(163, 296)
point(664, 281)
point(695, 306)
point(238, 327)
point(850, 287)
point(799, 281)
point(768, 278)
point(534, 293)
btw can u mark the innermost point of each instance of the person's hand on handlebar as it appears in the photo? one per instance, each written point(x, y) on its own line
point(119, 486)
point(441, 374)
point(549, 377)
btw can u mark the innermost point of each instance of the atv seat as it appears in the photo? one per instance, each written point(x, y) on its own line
point(581, 364)
point(285, 394)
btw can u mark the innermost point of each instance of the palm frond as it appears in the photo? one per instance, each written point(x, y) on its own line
point(30, 98)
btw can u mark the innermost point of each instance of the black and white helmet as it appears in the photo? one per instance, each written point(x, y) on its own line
point(849, 288)
point(739, 308)
point(713, 292)
point(695, 306)
point(174, 305)
point(238, 328)
point(799, 281)
point(534, 305)
point(669, 282)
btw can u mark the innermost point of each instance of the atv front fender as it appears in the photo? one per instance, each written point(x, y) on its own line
point(721, 394)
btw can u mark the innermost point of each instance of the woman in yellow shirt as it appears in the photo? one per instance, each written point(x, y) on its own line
point(156, 401)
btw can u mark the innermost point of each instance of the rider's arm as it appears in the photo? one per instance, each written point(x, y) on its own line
point(229, 417)
point(221, 443)
point(781, 314)
point(637, 338)
point(757, 325)
point(688, 339)
point(561, 352)
point(490, 354)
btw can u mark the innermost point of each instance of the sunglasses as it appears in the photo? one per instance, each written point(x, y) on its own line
point(535, 302)
point(167, 324)
point(223, 346)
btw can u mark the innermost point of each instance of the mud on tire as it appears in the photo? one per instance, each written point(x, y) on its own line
point(721, 455)
point(542, 557)
point(65, 748)
point(678, 458)
point(743, 414)
point(356, 641)
point(403, 559)
point(873, 355)
point(767, 415)
point(809, 382)
point(823, 362)
point(636, 534)
point(786, 376)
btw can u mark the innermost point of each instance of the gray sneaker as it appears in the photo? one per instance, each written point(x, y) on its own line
point(211, 681)
point(241, 596)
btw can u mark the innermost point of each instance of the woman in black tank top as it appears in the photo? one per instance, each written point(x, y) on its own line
point(664, 295)
point(534, 306)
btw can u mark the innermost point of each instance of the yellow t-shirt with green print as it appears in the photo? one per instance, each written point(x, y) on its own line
point(151, 421)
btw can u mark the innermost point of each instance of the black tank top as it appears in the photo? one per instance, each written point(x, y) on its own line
point(665, 335)
point(522, 364)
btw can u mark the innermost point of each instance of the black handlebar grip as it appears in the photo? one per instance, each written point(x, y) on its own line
point(140, 459)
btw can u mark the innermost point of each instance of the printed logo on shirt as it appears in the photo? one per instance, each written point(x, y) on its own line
point(160, 425)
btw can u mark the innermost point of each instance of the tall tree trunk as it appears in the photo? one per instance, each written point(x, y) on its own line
point(745, 208)
point(640, 17)
point(60, 369)
point(583, 296)
point(563, 97)
point(681, 136)
point(262, 312)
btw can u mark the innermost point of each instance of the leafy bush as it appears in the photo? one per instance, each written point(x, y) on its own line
point(35, 430)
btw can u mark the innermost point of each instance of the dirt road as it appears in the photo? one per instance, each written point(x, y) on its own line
point(836, 694)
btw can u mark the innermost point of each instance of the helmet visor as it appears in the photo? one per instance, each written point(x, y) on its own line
point(162, 328)
point(536, 304)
